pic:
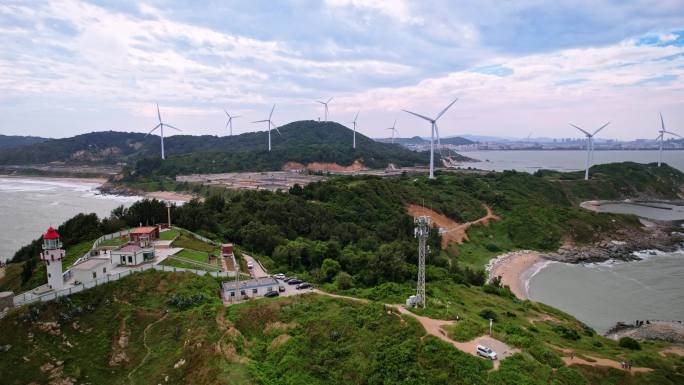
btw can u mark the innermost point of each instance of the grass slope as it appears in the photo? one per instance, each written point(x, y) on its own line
point(170, 328)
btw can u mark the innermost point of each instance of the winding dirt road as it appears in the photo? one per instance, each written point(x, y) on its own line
point(451, 230)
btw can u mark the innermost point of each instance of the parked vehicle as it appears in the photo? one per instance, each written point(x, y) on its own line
point(281, 288)
point(304, 285)
point(294, 281)
point(271, 293)
point(250, 265)
point(288, 279)
point(485, 352)
point(279, 276)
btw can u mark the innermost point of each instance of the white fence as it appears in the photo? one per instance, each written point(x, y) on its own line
point(30, 297)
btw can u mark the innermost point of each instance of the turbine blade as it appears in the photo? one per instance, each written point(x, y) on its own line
point(158, 113)
point(356, 116)
point(152, 130)
point(394, 124)
point(227, 114)
point(445, 109)
point(662, 122)
point(261, 121)
point(419, 115)
point(227, 123)
point(659, 136)
point(600, 128)
point(331, 98)
point(271, 114)
point(437, 133)
point(175, 128)
point(585, 133)
point(672, 133)
point(323, 103)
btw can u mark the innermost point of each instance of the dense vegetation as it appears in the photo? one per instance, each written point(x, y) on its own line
point(168, 328)
point(417, 140)
point(18, 141)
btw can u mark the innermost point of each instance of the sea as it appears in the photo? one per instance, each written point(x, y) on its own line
point(570, 160)
point(28, 206)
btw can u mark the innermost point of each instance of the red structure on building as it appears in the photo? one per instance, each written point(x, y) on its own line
point(147, 233)
point(226, 249)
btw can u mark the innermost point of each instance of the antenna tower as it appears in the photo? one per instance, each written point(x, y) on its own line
point(422, 231)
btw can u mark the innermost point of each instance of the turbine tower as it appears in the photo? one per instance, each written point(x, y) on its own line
point(161, 126)
point(422, 231)
point(393, 128)
point(353, 122)
point(270, 123)
point(661, 137)
point(325, 105)
point(590, 146)
point(229, 123)
point(433, 131)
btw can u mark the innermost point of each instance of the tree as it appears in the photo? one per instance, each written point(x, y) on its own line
point(329, 269)
point(344, 281)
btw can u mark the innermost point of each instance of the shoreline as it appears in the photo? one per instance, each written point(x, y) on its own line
point(97, 180)
point(513, 268)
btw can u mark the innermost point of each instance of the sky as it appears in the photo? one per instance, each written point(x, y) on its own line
point(517, 67)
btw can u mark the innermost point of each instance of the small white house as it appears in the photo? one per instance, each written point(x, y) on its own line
point(91, 269)
point(249, 289)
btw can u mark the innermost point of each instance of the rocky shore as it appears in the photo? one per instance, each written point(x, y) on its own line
point(622, 245)
point(670, 331)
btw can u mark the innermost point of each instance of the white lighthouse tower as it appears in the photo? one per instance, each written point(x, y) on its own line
point(52, 255)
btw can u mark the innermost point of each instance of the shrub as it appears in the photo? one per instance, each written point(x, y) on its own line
point(465, 330)
point(545, 356)
point(629, 343)
point(343, 281)
point(566, 332)
point(488, 314)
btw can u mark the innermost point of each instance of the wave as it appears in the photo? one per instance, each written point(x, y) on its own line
point(527, 276)
point(31, 185)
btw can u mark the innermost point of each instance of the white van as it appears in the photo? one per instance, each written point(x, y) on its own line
point(485, 352)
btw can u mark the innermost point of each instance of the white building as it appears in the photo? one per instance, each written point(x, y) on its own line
point(249, 289)
point(92, 268)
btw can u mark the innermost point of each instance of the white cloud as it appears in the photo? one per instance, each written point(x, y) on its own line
point(398, 10)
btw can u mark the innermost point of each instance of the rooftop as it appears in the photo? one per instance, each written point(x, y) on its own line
point(143, 230)
point(132, 247)
point(90, 264)
point(250, 284)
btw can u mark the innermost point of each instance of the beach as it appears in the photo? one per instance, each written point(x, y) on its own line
point(511, 267)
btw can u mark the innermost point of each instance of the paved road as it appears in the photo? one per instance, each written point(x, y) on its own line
point(257, 271)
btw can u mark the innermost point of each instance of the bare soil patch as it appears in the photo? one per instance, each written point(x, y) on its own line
point(451, 230)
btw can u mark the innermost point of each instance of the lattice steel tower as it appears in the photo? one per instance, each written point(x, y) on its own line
point(422, 231)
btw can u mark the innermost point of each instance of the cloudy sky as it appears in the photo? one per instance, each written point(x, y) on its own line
point(69, 67)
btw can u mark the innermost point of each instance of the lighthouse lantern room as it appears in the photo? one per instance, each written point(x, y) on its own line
point(52, 255)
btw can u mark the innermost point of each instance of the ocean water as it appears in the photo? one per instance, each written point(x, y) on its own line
point(602, 294)
point(571, 160)
point(28, 206)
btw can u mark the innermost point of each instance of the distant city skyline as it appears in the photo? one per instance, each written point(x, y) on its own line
point(68, 67)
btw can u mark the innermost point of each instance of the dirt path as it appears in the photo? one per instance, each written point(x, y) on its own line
point(601, 362)
point(676, 350)
point(146, 347)
point(434, 327)
point(452, 231)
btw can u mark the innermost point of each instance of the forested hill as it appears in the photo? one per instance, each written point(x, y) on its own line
point(13, 141)
point(301, 141)
point(417, 140)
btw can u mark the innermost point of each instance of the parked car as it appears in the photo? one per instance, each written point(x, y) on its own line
point(271, 293)
point(279, 276)
point(288, 279)
point(281, 288)
point(304, 285)
point(485, 352)
point(250, 265)
point(294, 281)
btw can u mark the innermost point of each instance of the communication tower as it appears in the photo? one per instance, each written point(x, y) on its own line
point(421, 232)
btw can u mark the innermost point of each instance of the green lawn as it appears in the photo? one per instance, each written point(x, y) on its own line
point(115, 241)
point(75, 252)
point(186, 265)
point(194, 255)
point(168, 235)
point(187, 241)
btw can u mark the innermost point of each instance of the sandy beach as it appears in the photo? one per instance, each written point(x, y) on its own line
point(511, 266)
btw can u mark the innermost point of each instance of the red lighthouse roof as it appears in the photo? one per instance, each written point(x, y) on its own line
point(50, 234)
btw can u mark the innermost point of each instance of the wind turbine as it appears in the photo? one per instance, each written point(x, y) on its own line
point(393, 128)
point(161, 126)
point(270, 122)
point(353, 122)
point(325, 105)
point(661, 137)
point(229, 123)
point(590, 146)
point(434, 130)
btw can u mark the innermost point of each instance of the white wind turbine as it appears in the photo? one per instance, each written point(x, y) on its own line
point(433, 131)
point(353, 122)
point(161, 126)
point(229, 123)
point(393, 128)
point(590, 146)
point(325, 105)
point(270, 123)
point(661, 137)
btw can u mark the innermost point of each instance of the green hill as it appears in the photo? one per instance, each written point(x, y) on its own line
point(12, 141)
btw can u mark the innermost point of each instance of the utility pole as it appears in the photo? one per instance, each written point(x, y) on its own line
point(422, 231)
point(168, 212)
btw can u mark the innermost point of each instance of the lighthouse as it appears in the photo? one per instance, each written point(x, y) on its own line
point(52, 255)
